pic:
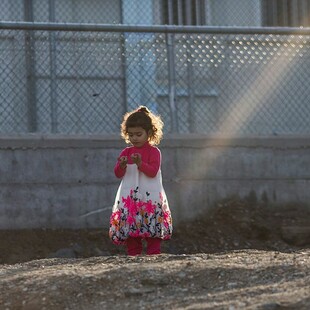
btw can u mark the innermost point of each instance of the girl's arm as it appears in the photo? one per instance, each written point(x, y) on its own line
point(151, 168)
point(120, 168)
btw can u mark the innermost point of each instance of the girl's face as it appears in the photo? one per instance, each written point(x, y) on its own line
point(137, 136)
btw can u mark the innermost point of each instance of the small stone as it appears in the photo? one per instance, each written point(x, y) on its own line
point(63, 253)
point(296, 235)
point(270, 306)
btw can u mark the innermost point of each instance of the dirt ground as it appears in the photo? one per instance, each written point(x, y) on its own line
point(238, 256)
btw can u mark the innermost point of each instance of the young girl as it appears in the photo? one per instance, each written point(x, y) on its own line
point(141, 208)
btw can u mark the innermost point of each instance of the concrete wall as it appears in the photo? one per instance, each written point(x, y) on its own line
point(61, 181)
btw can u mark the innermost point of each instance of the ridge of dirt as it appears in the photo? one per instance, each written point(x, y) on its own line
point(248, 279)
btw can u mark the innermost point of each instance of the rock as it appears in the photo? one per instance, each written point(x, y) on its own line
point(271, 306)
point(74, 252)
point(138, 291)
point(296, 235)
point(63, 253)
point(78, 249)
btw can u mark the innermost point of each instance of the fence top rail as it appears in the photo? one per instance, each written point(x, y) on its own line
point(88, 27)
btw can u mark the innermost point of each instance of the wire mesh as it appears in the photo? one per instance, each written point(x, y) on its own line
point(73, 81)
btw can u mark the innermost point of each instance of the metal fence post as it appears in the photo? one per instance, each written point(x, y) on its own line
point(171, 71)
point(52, 51)
point(30, 69)
point(171, 79)
point(191, 95)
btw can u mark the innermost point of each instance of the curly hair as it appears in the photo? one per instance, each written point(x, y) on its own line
point(143, 117)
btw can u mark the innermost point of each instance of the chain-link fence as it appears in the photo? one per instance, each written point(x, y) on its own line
point(81, 78)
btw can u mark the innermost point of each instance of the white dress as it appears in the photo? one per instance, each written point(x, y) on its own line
point(141, 208)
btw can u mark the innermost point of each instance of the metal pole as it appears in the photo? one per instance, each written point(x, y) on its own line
point(275, 19)
point(73, 27)
point(293, 9)
point(171, 71)
point(188, 13)
point(180, 13)
point(53, 77)
point(190, 84)
point(190, 77)
point(123, 60)
point(285, 13)
point(198, 11)
point(30, 69)
point(305, 11)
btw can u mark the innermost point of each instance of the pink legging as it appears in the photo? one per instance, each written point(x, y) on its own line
point(134, 246)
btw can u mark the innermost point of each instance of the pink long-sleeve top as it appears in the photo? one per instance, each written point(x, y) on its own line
point(150, 156)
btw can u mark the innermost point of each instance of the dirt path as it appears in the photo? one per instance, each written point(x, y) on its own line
point(248, 279)
point(237, 257)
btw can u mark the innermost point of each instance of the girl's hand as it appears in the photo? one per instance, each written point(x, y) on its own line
point(123, 161)
point(136, 158)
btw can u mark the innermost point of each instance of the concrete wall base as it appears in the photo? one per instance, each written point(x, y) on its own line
point(68, 181)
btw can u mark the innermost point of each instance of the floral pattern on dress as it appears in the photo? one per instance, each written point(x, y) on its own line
point(136, 218)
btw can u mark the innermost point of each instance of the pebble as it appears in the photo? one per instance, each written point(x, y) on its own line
point(270, 306)
point(181, 274)
point(138, 291)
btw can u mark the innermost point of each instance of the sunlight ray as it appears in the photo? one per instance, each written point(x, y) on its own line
point(275, 70)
